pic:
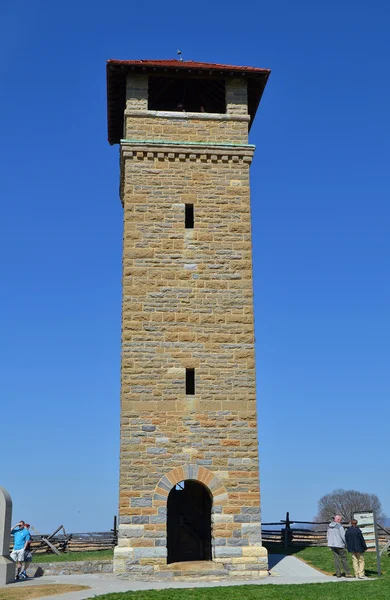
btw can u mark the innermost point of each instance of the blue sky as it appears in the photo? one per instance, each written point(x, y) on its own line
point(320, 204)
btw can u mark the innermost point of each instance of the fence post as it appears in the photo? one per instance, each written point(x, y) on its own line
point(287, 530)
point(115, 531)
point(378, 556)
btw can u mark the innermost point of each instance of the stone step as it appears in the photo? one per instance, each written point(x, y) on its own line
point(194, 565)
point(204, 576)
point(196, 569)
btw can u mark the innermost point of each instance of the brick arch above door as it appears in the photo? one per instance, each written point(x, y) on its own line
point(193, 472)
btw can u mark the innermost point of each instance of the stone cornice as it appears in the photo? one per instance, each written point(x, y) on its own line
point(175, 115)
point(189, 150)
point(164, 150)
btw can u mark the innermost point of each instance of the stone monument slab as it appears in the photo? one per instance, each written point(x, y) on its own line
point(7, 566)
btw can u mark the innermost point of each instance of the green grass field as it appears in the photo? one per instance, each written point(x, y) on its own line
point(320, 558)
point(72, 556)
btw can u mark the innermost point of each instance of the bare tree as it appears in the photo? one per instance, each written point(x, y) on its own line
point(345, 503)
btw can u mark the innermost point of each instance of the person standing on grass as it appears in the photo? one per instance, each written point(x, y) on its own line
point(21, 536)
point(356, 545)
point(336, 542)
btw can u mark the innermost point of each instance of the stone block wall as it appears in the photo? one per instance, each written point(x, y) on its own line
point(189, 127)
point(79, 567)
point(237, 97)
point(137, 93)
point(188, 303)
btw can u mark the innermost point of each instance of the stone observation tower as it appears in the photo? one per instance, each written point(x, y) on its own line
point(189, 472)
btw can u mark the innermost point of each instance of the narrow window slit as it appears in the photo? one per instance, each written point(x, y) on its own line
point(189, 216)
point(190, 382)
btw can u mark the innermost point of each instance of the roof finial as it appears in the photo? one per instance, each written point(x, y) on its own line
point(180, 56)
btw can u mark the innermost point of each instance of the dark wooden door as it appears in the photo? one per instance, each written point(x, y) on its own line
point(189, 523)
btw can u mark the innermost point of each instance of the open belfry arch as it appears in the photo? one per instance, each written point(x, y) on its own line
point(189, 497)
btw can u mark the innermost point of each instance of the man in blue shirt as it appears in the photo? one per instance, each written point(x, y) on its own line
point(21, 537)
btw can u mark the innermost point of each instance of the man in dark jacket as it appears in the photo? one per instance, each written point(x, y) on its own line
point(356, 546)
point(336, 542)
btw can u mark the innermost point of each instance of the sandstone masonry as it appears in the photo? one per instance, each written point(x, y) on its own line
point(187, 304)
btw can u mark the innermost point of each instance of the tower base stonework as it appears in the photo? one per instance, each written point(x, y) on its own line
point(237, 552)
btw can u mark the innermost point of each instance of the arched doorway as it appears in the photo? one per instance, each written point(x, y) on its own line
point(189, 522)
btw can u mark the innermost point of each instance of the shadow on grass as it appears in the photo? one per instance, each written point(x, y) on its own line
point(370, 573)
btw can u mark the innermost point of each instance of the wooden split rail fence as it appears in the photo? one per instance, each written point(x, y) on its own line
point(305, 533)
point(72, 542)
point(76, 542)
point(285, 532)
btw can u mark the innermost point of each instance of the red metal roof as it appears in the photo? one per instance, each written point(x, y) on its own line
point(117, 71)
point(187, 64)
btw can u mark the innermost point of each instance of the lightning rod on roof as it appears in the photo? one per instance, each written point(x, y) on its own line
point(179, 54)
